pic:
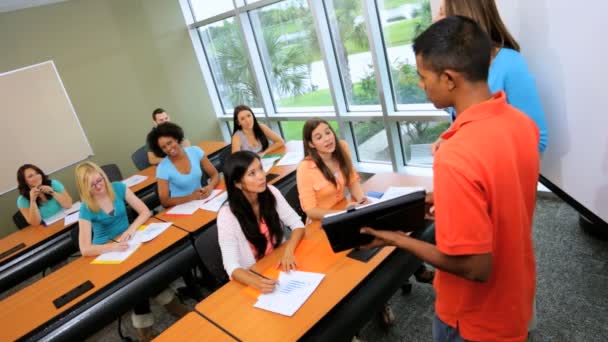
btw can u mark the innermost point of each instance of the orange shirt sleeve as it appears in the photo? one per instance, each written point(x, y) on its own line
point(462, 220)
point(305, 181)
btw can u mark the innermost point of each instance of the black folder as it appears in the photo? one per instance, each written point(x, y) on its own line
point(405, 213)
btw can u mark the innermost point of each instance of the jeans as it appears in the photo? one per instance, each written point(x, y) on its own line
point(444, 333)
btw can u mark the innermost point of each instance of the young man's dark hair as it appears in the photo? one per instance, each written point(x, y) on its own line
point(168, 129)
point(157, 111)
point(456, 43)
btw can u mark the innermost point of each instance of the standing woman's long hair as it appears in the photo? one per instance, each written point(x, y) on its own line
point(338, 154)
point(485, 13)
point(257, 130)
point(235, 167)
point(24, 189)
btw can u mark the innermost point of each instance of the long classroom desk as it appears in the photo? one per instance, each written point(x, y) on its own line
point(193, 327)
point(38, 247)
point(350, 293)
point(31, 315)
point(95, 309)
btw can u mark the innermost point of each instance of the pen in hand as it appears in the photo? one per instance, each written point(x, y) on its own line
point(263, 276)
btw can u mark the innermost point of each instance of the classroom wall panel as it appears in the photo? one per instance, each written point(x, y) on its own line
point(118, 61)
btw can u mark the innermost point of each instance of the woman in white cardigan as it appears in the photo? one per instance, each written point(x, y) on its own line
point(250, 226)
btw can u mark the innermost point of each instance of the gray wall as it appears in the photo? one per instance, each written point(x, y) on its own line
point(118, 59)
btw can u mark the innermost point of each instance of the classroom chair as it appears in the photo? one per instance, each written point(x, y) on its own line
point(208, 250)
point(20, 220)
point(218, 159)
point(113, 172)
point(290, 191)
point(140, 158)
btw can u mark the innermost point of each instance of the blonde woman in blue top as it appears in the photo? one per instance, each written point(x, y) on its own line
point(104, 227)
point(180, 172)
point(39, 196)
point(508, 70)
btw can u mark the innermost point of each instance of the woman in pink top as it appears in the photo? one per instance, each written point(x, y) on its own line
point(251, 225)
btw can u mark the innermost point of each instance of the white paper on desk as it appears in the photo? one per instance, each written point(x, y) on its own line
point(151, 231)
point(294, 145)
point(71, 218)
point(50, 220)
point(116, 257)
point(291, 291)
point(268, 163)
point(291, 158)
point(216, 202)
point(74, 208)
point(396, 191)
point(187, 208)
point(135, 179)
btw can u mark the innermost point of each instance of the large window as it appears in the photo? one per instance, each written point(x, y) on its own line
point(402, 21)
point(291, 56)
point(349, 61)
point(229, 64)
point(350, 39)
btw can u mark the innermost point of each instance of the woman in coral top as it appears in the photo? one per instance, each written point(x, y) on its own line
point(326, 171)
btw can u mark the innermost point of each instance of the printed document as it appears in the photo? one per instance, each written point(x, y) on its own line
point(133, 180)
point(292, 290)
point(291, 158)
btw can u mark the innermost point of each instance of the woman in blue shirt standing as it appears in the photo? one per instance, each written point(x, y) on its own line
point(39, 196)
point(179, 174)
point(508, 70)
point(103, 219)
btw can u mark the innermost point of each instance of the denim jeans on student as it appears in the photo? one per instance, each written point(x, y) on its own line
point(444, 333)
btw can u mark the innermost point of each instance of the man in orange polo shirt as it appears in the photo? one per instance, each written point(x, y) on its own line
point(485, 177)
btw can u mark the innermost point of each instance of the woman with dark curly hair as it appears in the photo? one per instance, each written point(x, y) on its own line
point(39, 196)
point(180, 172)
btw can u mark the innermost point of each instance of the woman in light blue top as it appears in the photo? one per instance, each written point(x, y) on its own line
point(179, 174)
point(249, 135)
point(508, 71)
point(40, 197)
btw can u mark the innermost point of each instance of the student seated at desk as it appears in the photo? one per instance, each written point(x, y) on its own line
point(250, 226)
point(160, 116)
point(179, 173)
point(326, 171)
point(103, 218)
point(39, 197)
point(249, 135)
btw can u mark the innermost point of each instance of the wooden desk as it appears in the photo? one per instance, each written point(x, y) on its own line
point(33, 306)
point(193, 327)
point(234, 311)
point(30, 236)
point(212, 147)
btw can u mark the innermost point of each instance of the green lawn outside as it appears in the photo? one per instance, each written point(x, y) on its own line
point(292, 130)
point(389, 4)
point(400, 32)
point(316, 98)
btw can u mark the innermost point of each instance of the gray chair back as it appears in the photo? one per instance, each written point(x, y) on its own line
point(140, 158)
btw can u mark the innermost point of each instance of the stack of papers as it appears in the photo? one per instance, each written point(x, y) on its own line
point(211, 203)
point(149, 232)
point(291, 158)
point(268, 162)
point(396, 191)
point(116, 257)
point(135, 179)
point(291, 291)
point(70, 215)
point(143, 234)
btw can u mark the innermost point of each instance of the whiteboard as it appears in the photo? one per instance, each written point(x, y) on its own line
point(39, 123)
point(562, 41)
